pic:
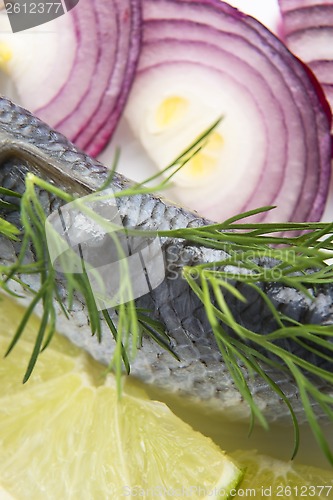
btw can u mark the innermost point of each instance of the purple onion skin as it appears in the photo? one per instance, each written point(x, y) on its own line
point(320, 92)
point(108, 123)
point(310, 103)
point(309, 20)
point(87, 110)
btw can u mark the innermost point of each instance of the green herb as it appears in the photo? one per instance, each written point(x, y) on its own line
point(6, 228)
point(294, 248)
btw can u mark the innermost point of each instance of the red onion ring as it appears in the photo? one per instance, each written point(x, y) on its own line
point(289, 111)
point(77, 73)
point(286, 5)
point(308, 31)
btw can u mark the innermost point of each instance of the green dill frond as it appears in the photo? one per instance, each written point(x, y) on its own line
point(8, 230)
point(298, 253)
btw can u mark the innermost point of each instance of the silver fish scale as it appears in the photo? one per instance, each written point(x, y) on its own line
point(27, 144)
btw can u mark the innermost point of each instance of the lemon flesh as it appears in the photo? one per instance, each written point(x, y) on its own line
point(269, 478)
point(66, 434)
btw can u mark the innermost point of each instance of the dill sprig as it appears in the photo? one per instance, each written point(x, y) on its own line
point(301, 263)
point(130, 324)
point(293, 249)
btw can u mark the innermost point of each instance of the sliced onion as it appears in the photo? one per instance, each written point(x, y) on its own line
point(76, 71)
point(308, 31)
point(267, 12)
point(286, 5)
point(204, 59)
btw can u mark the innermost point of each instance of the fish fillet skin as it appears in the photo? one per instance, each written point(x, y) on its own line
point(29, 145)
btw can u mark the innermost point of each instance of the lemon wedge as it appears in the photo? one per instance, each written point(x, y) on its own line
point(66, 434)
point(269, 478)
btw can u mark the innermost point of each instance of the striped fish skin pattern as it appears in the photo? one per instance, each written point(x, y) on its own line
point(29, 145)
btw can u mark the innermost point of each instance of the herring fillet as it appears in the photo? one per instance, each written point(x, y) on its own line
point(29, 145)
